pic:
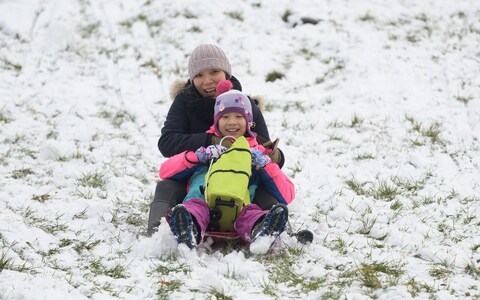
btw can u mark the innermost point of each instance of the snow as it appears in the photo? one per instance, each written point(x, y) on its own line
point(381, 94)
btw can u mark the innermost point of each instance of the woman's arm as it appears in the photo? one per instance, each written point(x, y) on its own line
point(260, 125)
point(176, 136)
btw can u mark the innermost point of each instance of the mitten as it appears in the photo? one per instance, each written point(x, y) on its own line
point(216, 141)
point(272, 151)
point(206, 154)
point(259, 160)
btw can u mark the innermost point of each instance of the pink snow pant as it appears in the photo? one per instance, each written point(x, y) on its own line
point(244, 223)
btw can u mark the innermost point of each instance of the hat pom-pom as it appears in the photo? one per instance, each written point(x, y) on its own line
point(224, 86)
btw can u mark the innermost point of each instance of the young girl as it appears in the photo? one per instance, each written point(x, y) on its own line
point(189, 220)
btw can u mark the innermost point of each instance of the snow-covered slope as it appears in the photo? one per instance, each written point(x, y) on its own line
point(377, 110)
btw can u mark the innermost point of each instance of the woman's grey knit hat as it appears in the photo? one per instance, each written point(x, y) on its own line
point(206, 57)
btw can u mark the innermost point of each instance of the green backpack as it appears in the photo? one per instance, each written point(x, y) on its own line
point(226, 181)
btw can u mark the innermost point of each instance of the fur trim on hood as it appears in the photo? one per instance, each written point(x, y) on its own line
point(176, 88)
point(179, 85)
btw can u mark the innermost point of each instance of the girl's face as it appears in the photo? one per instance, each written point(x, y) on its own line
point(233, 124)
point(206, 82)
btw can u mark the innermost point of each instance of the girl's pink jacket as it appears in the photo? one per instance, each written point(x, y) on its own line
point(183, 165)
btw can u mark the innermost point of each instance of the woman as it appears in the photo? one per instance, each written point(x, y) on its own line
point(188, 119)
point(190, 220)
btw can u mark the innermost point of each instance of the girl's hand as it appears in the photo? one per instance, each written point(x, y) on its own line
point(259, 160)
point(206, 154)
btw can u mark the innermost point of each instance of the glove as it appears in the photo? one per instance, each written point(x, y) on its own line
point(272, 151)
point(226, 142)
point(259, 160)
point(206, 154)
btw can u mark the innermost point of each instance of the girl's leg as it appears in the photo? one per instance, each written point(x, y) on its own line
point(168, 193)
point(198, 208)
point(253, 222)
point(189, 221)
point(247, 219)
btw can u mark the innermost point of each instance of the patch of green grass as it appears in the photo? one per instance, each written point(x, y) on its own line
point(473, 269)
point(89, 30)
point(86, 245)
point(356, 187)
point(281, 269)
point(367, 17)
point(117, 271)
point(297, 105)
point(307, 54)
point(236, 15)
point(6, 263)
point(269, 289)
point(195, 29)
point(389, 189)
point(41, 198)
point(51, 227)
point(81, 215)
point(166, 288)
point(93, 180)
point(396, 205)
point(440, 272)
point(415, 288)
point(153, 66)
point(129, 22)
point(5, 116)
point(341, 245)
point(363, 156)
point(464, 99)
point(189, 14)
point(117, 118)
point(385, 191)
point(22, 173)
point(274, 75)
point(9, 65)
point(218, 294)
point(367, 225)
point(165, 270)
point(355, 121)
point(335, 138)
point(430, 133)
point(286, 15)
point(52, 135)
point(297, 168)
point(169, 267)
point(376, 275)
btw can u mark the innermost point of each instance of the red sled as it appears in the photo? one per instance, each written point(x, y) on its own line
point(215, 240)
point(226, 235)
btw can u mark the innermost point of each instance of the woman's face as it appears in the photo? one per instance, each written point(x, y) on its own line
point(233, 124)
point(206, 82)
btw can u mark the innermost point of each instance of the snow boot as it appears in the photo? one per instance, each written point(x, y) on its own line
point(273, 223)
point(183, 226)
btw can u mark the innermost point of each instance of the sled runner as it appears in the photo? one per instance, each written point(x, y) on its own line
point(216, 239)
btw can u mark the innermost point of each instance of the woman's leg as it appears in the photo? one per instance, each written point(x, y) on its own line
point(168, 193)
point(263, 198)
